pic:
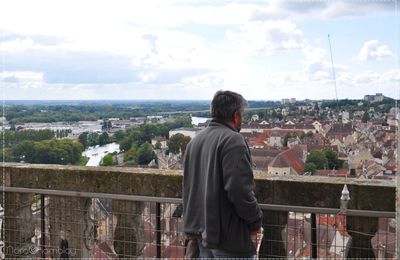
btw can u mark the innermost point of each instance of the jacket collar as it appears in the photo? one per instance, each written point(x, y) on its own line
point(216, 122)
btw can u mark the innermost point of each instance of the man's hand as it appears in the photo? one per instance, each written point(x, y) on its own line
point(256, 237)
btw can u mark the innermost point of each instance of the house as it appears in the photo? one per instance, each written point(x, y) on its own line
point(371, 169)
point(289, 162)
point(161, 139)
point(345, 117)
point(378, 97)
point(256, 140)
point(318, 126)
point(293, 141)
point(339, 131)
point(275, 139)
point(285, 111)
point(314, 140)
point(263, 157)
point(255, 117)
point(359, 156)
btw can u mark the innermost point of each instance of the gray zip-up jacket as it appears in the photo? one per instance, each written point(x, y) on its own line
point(218, 190)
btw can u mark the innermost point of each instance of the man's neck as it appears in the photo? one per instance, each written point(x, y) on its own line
point(227, 123)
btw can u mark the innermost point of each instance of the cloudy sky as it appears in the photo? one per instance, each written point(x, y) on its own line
point(266, 50)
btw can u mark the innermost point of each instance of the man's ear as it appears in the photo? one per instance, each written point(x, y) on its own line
point(236, 117)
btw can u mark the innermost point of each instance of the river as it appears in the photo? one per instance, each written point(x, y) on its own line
point(196, 120)
point(96, 153)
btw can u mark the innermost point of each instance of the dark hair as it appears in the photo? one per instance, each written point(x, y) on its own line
point(226, 103)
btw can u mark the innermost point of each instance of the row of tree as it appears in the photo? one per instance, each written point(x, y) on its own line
point(11, 138)
point(136, 142)
point(177, 143)
point(143, 133)
point(48, 151)
point(322, 159)
point(24, 113)
point(93, 138)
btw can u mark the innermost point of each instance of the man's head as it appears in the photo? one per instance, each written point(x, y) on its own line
point(229, 107)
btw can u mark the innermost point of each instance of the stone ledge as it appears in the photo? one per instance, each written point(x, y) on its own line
point(308, 191)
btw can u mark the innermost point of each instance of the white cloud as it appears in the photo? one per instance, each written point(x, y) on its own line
point(267, 37)
point(17, 45)
point(372, 50)
point(21, 76)
point(317, 65)
point(180, 49)
point(303, 10)
point(357, 8)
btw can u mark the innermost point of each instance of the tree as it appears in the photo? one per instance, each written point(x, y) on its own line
point(184, 143)
point(104, 138)
point(108, 160)
point(309, 134)
point(333, 161)
point(286, 138)
point(119, 135)
point(48, 151)
point(125, 144)
point(83, 139)
point(180, 121)
point(23, 152)
point(131, 154)
point(318, 158)
point(177, 143)
point(310, 167)
point(145, 154)
point(365, 118)
point(93, 139)
point(157, 145)
point(106, 125)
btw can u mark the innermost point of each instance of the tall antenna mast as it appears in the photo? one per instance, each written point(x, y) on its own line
point(333, 72)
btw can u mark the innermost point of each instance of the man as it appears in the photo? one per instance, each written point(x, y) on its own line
point(219, 206)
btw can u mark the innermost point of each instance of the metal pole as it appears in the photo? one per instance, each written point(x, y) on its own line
point(43, 226)
point(272, 207)
point(158, 229)
point(314, 253)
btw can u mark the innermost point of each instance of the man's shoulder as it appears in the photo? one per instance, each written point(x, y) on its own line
point(231, 138)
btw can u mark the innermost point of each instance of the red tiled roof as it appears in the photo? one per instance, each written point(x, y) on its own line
point(339, 172)
point(265, 152)
point(279, 162)
point(382, 177)
point(391, 167)
point(292, 158)
point(261, 163)
point(258, 139)
point(255, 125)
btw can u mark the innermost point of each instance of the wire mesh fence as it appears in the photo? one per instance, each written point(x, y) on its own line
point(48, 226)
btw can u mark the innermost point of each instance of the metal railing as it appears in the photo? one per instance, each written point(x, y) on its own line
point(55, 223)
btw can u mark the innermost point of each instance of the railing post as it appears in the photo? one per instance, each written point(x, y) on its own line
point(158, 229)
point(361, 230)
point(43, 226)
point(314, 246)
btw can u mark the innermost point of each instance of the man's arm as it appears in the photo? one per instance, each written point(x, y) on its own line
point(239, 185)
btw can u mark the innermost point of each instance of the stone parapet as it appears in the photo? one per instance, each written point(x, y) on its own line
point(291, 191)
